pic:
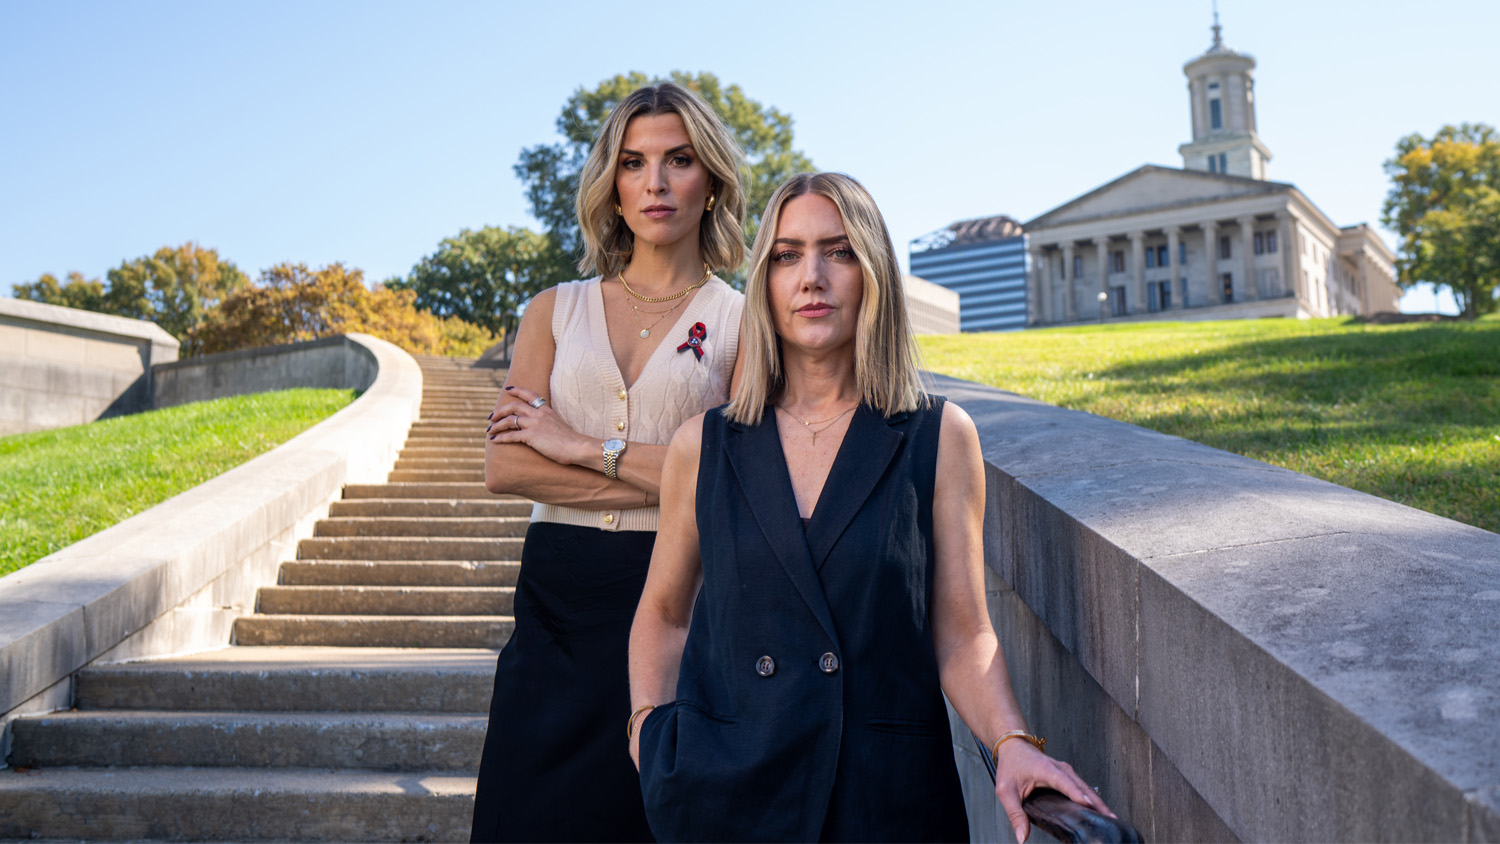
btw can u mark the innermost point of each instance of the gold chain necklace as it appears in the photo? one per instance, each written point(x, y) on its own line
point(808, 425)
point(636, 312)
point(657, 300)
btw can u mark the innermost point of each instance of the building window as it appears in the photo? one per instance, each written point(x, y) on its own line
point(1181, 254)
point(1117, 301)
point(1223, 162)
point(1078, 266)
point(1260, 244)
point(1117, 261)
point(1150, 257)
point(1224, 248)
point(1161, 256)
point(1271, 243)
point(1213, 164)
point(1215, 114)
point(1227, 281)
point(1163, 298)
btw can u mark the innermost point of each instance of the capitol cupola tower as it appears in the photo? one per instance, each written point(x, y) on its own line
point(1221, 90)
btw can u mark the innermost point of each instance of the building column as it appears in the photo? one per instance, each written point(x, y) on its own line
point(1034, 308)
point(1211, 244)
point(1138, 270)
point(1284, 251)
point(1247, 232)
point(1101, 246)
point(1174, 251)
point(1070, 303)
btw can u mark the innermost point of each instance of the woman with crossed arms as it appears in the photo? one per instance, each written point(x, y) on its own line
point(816, 584)
point(604, 371)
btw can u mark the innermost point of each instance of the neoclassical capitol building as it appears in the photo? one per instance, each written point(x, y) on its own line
point(1213, 240)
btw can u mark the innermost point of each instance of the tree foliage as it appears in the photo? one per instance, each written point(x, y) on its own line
point(290, 303)
point(550, 171)
point(483, 277)
point(77, 292)
point(171, 288)
point(1444, 203)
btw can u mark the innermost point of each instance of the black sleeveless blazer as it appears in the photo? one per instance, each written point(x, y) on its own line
point(808, 704)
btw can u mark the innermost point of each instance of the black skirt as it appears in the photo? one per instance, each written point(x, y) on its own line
point(556, 766)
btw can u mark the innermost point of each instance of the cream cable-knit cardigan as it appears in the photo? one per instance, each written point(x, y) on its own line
point(589, 393)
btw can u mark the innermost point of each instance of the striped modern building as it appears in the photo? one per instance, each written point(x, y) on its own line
point(984, 262)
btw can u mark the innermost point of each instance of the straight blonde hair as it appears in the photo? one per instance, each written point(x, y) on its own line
point(607, 241)
point(886, 369)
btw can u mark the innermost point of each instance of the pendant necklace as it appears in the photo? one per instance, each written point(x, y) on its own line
point(660, 315)
point(816, 431)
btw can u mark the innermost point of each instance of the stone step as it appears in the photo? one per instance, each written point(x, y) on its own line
point(366, 631)
point(385, 600)
point(409, 464)
point(431, 508)
point(383, 741)
point(424, 491)
point(455, 527)
point(436, 476)
point(460, 450)
point(399, 573)
point(236, 804)
point(408, 548)
point(269, 679)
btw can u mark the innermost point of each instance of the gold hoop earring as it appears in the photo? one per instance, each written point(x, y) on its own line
point(711, 199)
point(618, 210)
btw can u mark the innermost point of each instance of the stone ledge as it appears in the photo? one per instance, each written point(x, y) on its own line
point(1315, 663)
point(87, 321)
point(67, 609)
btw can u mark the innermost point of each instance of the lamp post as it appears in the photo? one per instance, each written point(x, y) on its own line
point(1103, 297)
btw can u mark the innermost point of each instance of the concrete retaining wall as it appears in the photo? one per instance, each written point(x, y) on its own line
point(1232, 650)
point(63, 366)
point(316, 363)
point(174, 578)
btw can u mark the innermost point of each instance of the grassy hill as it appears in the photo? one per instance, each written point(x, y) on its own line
point(59, 486)
point(1408, 412)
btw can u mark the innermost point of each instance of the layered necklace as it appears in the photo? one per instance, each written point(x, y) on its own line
point(635, 312)
point(826, 423)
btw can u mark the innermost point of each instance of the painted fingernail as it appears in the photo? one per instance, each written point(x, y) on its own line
point(508, 389)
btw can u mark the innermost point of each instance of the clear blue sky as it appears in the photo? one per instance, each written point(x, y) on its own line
point(366, 132)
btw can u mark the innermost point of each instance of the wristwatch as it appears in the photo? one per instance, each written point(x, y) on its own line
point(612, 451)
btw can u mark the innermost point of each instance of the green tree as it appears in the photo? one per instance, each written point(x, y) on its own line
point(550, 171)
point(1444, 203)
point(172, 287)
point(483, 277)
point(78, 292)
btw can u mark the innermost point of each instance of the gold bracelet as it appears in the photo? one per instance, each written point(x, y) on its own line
point(630, 722)
point(1039, 742)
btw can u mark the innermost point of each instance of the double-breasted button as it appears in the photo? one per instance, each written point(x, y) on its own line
point(829, 663)
point(765, 666)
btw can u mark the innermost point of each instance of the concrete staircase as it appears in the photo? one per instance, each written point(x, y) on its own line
point(352, 704)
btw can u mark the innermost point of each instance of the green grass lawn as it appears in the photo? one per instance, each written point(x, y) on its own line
point(59, 486)
point(1408, 412)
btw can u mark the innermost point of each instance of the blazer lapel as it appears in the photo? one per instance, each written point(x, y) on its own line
point(868, 448)
point(760, 466)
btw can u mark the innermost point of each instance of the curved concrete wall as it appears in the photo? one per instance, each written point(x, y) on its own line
point(63, 366)
point(1233, 650)
point(174, 578)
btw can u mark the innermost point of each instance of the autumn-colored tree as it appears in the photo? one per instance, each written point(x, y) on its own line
point(78, 292)
point(484, 277)
point(171, 288)
point(550, 171)
point(1444, 203)
point(290, 303)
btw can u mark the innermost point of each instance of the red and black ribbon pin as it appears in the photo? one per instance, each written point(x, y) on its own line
point(696, 335)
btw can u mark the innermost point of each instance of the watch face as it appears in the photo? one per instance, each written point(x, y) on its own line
point(614, 445)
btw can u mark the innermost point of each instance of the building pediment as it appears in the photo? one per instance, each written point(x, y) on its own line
point(1152, 188)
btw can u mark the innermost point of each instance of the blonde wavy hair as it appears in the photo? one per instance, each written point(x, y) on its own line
point(886, 360)
point(607, 241)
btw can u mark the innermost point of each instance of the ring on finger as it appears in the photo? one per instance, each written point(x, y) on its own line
point(515, 421)
point(538, 402)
